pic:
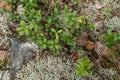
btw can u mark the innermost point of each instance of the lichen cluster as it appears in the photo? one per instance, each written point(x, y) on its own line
point(113, 23)
point(4, 30)
point(109, 13)
point(55, 68)
point(50, 68)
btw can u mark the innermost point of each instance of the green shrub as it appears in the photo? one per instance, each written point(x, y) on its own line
point(112, 38)
point(48, 32)
point(84, 67)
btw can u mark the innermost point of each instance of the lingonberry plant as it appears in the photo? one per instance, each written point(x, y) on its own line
point(52, 28)
point(84, 67)
point(48, 32)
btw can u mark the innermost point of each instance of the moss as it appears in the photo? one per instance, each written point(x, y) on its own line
point(4, 30)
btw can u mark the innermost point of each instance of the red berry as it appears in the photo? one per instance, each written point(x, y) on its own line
point(52, 26)
point(75, 56)
point(42, 22)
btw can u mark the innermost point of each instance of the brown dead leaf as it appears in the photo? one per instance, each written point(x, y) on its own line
point(90, 45)
point(2, 55)
point(5, 5)
point(101, 49)
point(107, 51)
point(82, 41)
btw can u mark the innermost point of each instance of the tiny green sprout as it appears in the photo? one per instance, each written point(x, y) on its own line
point(84, 67)
point(56, 33)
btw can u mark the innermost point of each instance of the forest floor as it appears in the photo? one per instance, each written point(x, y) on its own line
point(60, 40)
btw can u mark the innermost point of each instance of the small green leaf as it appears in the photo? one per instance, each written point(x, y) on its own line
point(85, 61)
point(44, 46)
point(44, 40)
point(71, 23)
point(31, 26)
point(84, 73)
point(53, 30)
point(22, 23)
point(66, 19)
point(27, 32)
point(56, 46)
point(21, 33)
point(60, 31)
point(38, 18)
point(20, 28)
point(50, 42)
point(74, 13)
point(57, 36)
point(56, 41)
point(52, 47)
point(73, 18)
point(109, 32)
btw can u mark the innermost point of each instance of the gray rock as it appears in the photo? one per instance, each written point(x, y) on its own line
point(22, 53)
